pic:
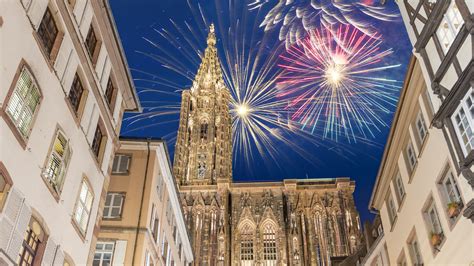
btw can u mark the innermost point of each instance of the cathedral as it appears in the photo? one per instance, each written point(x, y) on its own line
point(292, 222)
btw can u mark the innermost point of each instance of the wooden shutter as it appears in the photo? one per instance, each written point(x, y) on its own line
point(49, 252)
point(119, 252)
point(14, 223)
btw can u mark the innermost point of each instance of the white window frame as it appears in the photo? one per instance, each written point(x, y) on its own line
point(117, 165)
point(18, 107)
point(449, 27)
point(399, 188)
point(432, 219)
point(421, 127)
point(109, 208)
point(415, 252)
point(103, 252)
point(57, 164)
point(411, 156)
point(452, 194)
point(247, 247)
point(391, 209)
point(83, 207)
point(465, 114)
point(269, 245)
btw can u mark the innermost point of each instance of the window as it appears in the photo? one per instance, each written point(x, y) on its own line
point(109, 94)
point(434, 225)
point(75, 94)
point(451, 195)
point(83, 206)
point(201, 170)
point(103, 253)
point(113, 205)
point(415, 253)
point(463, 120)
point(399, 188)
point(32, 241)
point(450, 25)
point(121, 164)
point(24, 102)
point(91, 42)
point(203, 132)
point(402, 260)
point(48, 31)
point(392, 211)
point(269, 246)
point(5, 185)
point(411, 157)
point(421, 127)
point(97, 141)
point(246, 245)
point(58, 161)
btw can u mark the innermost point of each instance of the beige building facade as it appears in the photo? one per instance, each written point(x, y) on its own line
point(420, 193)
point(294, 222)
point(65, 85)
point(142, 222)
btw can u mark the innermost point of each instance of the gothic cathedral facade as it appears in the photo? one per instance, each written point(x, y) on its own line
point(293, 222)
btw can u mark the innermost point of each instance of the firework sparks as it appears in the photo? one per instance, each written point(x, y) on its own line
point(334, 81)
point(294, 18)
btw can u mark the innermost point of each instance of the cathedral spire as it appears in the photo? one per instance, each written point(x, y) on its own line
point(210, 70)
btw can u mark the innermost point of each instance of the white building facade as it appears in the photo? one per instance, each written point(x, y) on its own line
point(65, 85)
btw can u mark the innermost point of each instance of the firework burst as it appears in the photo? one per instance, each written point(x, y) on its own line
point(294, 18)
point(334, 80)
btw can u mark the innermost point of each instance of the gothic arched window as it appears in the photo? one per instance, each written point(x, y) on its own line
point(269, 245)
point(201, 170)
point(246, 245)
point(203, 134)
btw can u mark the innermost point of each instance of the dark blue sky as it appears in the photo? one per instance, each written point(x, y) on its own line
point(140, 21)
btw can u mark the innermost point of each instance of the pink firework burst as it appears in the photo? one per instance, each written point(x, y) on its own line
point(334, 82)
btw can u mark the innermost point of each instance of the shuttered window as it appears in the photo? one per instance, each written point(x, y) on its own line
point(48, 31)
point(24, 102)
point(121, 164)
point(91, 41)
point(83, 206)
point(31, 242)
point(109, 93)
point(113, 205)
point(58, 161)
point(97, 141)
point(75, 94)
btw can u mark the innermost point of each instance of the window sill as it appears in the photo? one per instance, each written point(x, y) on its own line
point(412, 173)
point(23, 141)
point(393, 223)
point(54, 193)
point(400, 205)
point(82, 235)
point(423, 145)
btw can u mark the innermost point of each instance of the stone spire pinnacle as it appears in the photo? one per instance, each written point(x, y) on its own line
point(210, 70)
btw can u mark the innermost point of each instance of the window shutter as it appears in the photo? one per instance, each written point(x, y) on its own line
point(116, 163)
point(59, 259)
point(49, 252)
point(21, 223)
point(119, 252)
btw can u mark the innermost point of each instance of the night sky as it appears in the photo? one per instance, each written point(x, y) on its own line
point(139, 25)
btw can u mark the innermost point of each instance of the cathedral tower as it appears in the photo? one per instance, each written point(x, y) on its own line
point(204, 143)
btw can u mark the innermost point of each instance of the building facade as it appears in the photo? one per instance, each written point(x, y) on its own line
point(65, 85)
point(294, 222)
point(442, 34)
point(420, 193)
point(142, 222)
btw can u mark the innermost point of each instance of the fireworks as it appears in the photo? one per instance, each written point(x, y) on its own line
point(294, 18)
point(334, 80)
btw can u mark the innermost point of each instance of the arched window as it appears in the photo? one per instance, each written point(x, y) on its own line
point(246, 245)
point(269, 245)
point(204, 131)
point(34, 237)
point(201, 170)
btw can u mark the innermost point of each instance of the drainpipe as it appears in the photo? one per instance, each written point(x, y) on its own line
point(141, 202)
